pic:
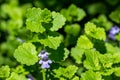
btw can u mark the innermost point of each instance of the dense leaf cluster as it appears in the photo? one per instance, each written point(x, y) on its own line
point(75, 38)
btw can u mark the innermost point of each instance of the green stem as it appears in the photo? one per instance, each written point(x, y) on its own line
point(43, 74)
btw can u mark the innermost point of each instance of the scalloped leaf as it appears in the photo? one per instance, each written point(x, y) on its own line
point(72, 29)
point(115, 15)
point(66, 53)
point(73, 13)
point(77, 54)
point(102, 21)
point(77, 13)
point(106, 71)
point(90, 75)
point(118, 37)
point(92, 60)
point(116, 56)
point(106, 60)
point(4, 71)
point(58, 21)
point(76, 78)
point(117, 71)
point(35, 18)
point(110, 48)
point(15, 76)
point(84, 42)
point(52, 42)
point(92, 31)
point(67, 72)
point(26, 54)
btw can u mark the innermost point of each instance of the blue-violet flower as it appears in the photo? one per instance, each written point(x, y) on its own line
point(42, 54)
point(113, 31)
point(45, 62)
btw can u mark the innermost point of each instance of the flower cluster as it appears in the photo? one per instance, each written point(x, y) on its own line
point(113, 31)
point(45, 61)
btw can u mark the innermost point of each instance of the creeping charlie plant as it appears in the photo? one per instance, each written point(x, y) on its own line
point(53, 41)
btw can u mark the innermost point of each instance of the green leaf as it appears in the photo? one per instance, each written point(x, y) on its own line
point(75, 78)
point(106, 71)
point(35, 18)
point(117, 71)
point(4, 71)
point(15, 76)
point(118, 37)
point(67, 72)
point(80, 71)
point(77, 54)
point(66, 53)
point(12, 10)
point(115, 15)
point(20, 70)
point(61, 78)
point(90, 75)
point(116, 57)
point(58, 21)
point(92, 60)
point(66, 13)
point(78, 13)
point(106, 60)
point(52, 42)
point(92, 31)
point(102, 21)
point(34, 26)
point(26, 54)
point(84, 42)
point(72, 29)
point(110, 48)
point(73, 13)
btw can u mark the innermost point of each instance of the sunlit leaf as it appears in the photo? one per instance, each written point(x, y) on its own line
point(26, 54)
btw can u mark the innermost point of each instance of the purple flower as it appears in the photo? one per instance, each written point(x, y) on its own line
point(42, 54)
point(45, 62)
point(113, 31)
point(111, 36)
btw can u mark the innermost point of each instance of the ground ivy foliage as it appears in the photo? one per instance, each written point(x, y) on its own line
point(58, 21)
point(42, 44)
point(45, 21)
point(113, 16)
point(4, 71)
point(66, 73)
point(26, 54)
point(15, 76)
point(84, 42)
point(36, 18)
point(92, 60)
point(92, 31)
point(77, 52)
point(77, 15)
point(51, 41)
point(90, 75)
